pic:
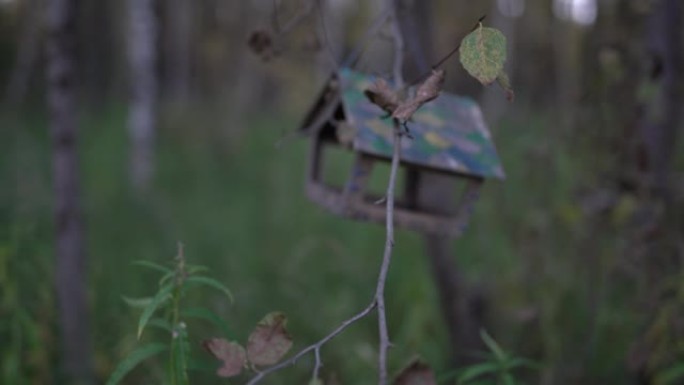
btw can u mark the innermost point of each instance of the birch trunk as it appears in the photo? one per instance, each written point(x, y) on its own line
point(142, 119)
point(71, 271)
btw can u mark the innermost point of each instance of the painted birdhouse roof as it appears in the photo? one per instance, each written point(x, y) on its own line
point(449, 133)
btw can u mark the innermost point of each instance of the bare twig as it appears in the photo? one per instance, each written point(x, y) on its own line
point(378, 301)
point(314, 347)
point(398, 66)
point(326, 36)
point(295, 20)
point(378, 23)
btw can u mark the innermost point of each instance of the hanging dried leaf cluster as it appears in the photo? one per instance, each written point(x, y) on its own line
point(383, 96)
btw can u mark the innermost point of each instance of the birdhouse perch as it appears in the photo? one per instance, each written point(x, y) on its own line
point(449, 137)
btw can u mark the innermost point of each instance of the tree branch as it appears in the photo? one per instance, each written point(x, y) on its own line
point(378, 301)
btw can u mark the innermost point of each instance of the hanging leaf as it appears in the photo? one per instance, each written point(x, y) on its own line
point(416, 373)
point(269, 341)
point(427, 91)
point(483, 53)
point(505, 83)
point(231, 354)
point(383, 96)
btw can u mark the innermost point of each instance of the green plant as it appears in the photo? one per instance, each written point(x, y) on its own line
point(173, 286)
point(498, 367)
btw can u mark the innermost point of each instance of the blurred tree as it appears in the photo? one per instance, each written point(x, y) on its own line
point(28, 52)
point(98, 32)
point(659, 128)
point(142, 108)
point(71, 270)
point(178, 34)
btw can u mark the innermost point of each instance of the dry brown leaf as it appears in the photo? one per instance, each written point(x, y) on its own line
point(383, 96)
point(269, 341)
point(427, 91)
point(231, 354)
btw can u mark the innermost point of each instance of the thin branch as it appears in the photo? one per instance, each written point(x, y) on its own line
point(314, 347)
point(374, 29)
point(326, 36)
point(385, 343)
point(448, 55)
point(378, 301)
point(296, 19)
point(398, 39)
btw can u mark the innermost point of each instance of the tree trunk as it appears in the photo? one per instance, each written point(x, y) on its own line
point(28, 52)
point(437, 192)
point(178, 47)
point(71, 274)
point(142, 59)
point(660, 128)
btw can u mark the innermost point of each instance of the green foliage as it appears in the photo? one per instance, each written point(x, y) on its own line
point(172, 288)
point(498, 367)
point(483, 54)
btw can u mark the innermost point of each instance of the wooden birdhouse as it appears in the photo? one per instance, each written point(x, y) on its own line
point(449, 137)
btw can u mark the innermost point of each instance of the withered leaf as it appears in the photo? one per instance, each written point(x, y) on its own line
point(231, 354)
point(427, 91)
point(416, 373)
point(269, 341)
point(431, 87)
point(382, 95)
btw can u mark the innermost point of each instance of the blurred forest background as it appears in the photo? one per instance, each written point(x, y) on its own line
point(574, 261)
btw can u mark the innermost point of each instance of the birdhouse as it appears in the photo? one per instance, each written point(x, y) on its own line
point(448, 136)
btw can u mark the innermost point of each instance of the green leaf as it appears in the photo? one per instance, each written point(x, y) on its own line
point(137, 302)
point(206, 281)
point(162, 295)
point(195, 269)
point(483, 53)
point(505, 83)
point(493, 346)
point(521, 362)
point(208, 315)
point(672, 375)
point(160, 323)
point(136, 357)
point(166, 277)
point(508, 379)
point(474, 371)
point(153, 266)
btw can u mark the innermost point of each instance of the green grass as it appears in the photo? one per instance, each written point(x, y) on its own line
point(237, 203)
